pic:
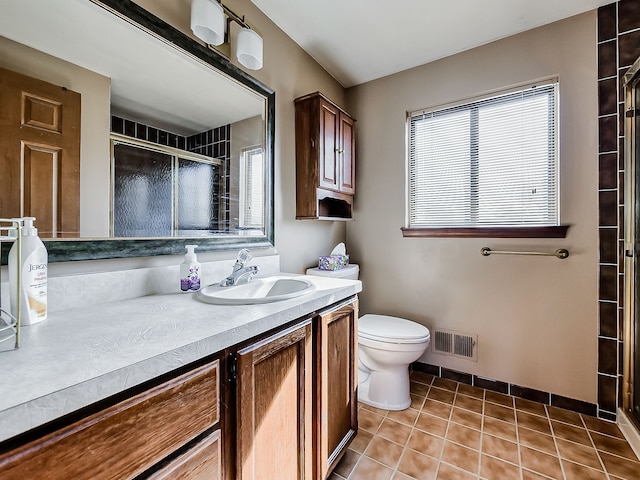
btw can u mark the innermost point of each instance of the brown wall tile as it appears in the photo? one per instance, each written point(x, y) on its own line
point(607, 397)
point(608, 211)
point(530, 394)
point(608, 320)
point(608, 170)
point(574, 405)
point(608, 96)
point(607, 356)
point(608, 134)
point(457, 376)
point(620, 291)
point(607, 22)
point(489, 384)
point(607, 59)
point(621, 189)
point(620, 388)
point(628, 48)
point(628, 15)
point(608, 282)
point(608, 245)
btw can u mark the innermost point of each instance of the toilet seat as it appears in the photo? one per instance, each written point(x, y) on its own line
point(387, 329)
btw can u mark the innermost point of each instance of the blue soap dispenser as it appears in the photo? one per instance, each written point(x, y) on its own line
point(190, 271)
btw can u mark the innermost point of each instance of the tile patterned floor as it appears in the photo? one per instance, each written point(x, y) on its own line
point(457, 432)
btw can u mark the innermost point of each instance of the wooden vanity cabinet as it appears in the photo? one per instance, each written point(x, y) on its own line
point(280, 406)
point(325, 159)
point(130, 437)
point(296, 398)
point(335, 387)
point(274, 407)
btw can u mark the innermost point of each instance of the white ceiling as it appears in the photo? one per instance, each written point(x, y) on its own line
point(360, 40)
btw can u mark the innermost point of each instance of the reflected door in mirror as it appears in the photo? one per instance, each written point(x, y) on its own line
point(40, 154)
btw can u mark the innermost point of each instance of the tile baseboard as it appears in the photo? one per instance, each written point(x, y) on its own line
point(546, 398)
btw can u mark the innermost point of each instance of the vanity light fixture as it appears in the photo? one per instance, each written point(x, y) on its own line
point(208, 21)
point(208, 18)
point(249, 49)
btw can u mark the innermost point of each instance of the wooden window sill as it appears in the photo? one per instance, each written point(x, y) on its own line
point(559, 231)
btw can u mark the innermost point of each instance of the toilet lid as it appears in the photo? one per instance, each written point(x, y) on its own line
point(391, 329)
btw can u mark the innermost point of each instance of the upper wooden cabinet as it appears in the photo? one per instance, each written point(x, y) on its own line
point(325, 159)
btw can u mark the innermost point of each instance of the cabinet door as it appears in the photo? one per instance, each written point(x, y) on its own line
point(329, 167)
point(347, 151)
point(274, 434)
point(202, 462)
point(336, 409)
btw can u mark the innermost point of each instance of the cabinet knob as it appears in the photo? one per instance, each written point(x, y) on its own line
point(340, 150)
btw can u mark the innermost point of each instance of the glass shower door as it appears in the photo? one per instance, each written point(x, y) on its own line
point(631, 384)
point(142, 192)
point(633, 105)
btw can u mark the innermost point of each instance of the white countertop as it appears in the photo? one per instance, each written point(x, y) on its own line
point(81, 356)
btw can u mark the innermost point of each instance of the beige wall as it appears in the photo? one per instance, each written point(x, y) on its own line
point(95, 126)
point(291, 72)
point(536, 318)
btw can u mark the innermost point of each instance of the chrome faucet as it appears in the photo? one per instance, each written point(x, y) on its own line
point(240, 273)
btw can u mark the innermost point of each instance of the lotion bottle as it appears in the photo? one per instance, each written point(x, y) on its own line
point(33, 291)
point(190, 271)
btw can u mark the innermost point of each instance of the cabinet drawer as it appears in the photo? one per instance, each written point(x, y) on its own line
point(202, 462)
point(124, 440)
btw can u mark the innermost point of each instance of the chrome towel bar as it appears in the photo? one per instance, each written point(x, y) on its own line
point(561, 253)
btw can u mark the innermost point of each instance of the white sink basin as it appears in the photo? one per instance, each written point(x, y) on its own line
point(259, 290)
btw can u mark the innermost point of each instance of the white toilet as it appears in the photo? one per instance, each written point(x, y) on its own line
point(386, 347)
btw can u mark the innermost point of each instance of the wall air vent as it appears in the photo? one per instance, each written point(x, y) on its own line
point(458, 344)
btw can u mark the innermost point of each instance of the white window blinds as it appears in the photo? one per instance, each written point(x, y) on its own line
point(252, 188)
point(489, 162)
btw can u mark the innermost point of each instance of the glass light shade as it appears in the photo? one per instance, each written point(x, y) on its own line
point(249, 49)
point(208, 21)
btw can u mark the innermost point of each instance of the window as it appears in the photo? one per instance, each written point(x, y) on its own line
point(252, 188)
point(490, 162)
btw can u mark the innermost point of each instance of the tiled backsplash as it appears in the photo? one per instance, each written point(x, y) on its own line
point(74, 291)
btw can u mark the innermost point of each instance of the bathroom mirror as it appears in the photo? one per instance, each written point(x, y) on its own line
point(176, 142)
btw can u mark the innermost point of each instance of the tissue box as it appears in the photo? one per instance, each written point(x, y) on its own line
point(333, 262)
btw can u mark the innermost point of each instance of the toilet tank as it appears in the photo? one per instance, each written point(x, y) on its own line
point(350, 272)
